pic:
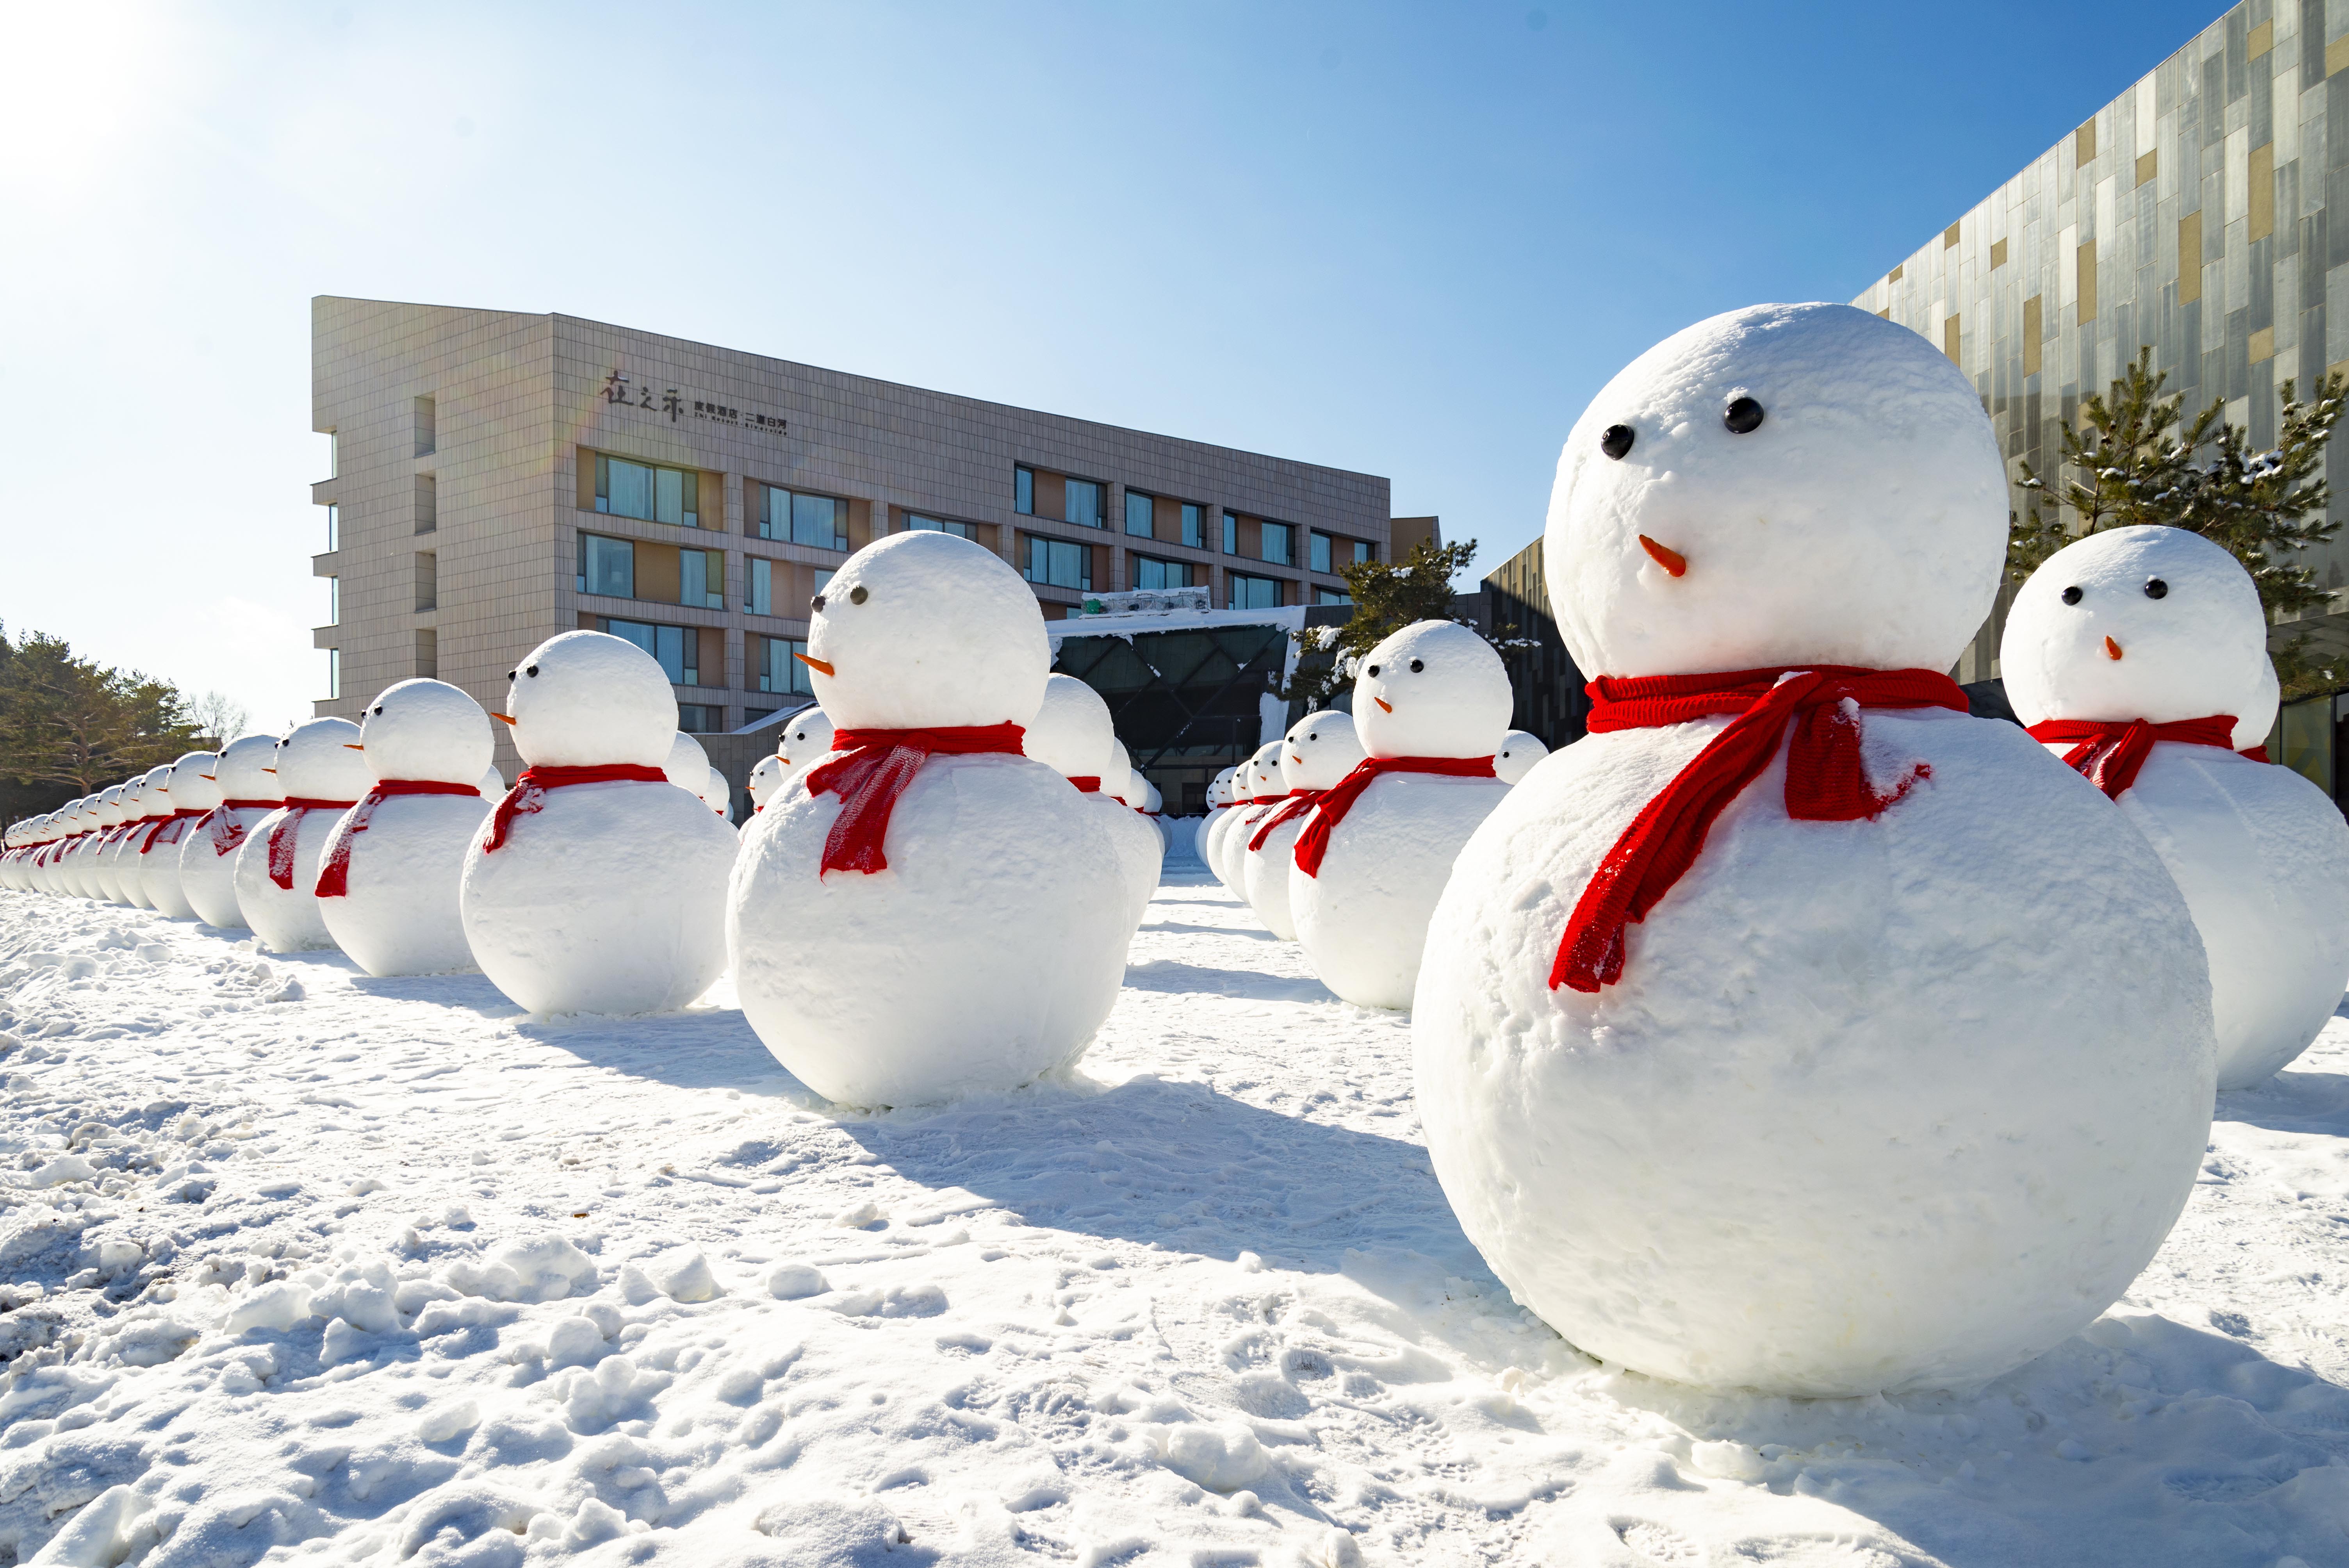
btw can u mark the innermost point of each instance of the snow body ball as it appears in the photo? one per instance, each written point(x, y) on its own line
point(2160, 625)
point(492, 787)
point(992, 944)
point(249, 792)
point(688, 765)
point(1318, 750)
point(1519, 751)
point(1876, 1104)
point(1218, 801)
point(397, 912)
point(1072, 734)
point(606, 896)
point(1435, 689)
point(318, 762)
point(195, 788)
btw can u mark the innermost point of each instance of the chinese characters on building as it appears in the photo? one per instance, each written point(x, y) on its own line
point(617, 388)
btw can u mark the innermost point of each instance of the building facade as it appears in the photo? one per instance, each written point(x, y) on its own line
point(500, 476)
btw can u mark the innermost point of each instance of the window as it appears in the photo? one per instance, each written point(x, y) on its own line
point(939, 525)
point(428, 654)
point(334, 454)
point(1023, 492)
point(334, 601)
point(753, 714)
point(1231, 534)
point(1321, 553)
point(700, 719)
point(780, 671)
point(1195, 525)
point(1059, 564)
point(334, 528)
point(1363, 551)
point(817, 519)
point(334, 673)
point(677, 649)
point(641, 491)
point(1275, 543)
point(762, 587)
point(1083, 505)
point(1332, 597)
point(1137, 514)
point(608, 566)
point(428, 581)
point(426, 433)
point(823, 579)
point(1151, 573)
point(428, 503)
point(696, 571)
point(1249, 593)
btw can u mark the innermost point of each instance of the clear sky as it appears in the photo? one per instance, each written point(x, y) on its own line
point(1409, 239)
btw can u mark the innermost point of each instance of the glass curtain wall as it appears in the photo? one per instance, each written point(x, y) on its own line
point(1059, 564)
point(677, 649)
point(647, 492)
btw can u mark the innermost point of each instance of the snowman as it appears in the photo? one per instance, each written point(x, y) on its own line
point(145, 802)
point(1318, 752)
point(1793, 1030)
point(807, 736)
point(1258, 788)
point(1218, 801)
point(595, 886)
point(1072, 734)
point(246, 779)
point(1519, 751)
point(1220, 826)
point(1430, 705)
point(928, 913)
point(195, 790)
point(1137, 795)
point(2140, 656)
point(688, 765)
point(323, 775)
point(387, 886)
point(90, 865)
point(765, 775)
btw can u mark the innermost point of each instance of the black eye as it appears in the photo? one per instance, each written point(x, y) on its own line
point(2155, 588)
point(379, 707)
point(1616, 441)
point(1744, 417)
point(856, 596)
point(1416, 666)
point(510, 674)
point(816, 603)
point(2071, 596)
point(1374, 669)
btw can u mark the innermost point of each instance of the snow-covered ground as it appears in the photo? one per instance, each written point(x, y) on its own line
point(302, 1265)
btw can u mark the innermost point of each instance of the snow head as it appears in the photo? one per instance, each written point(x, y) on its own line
point(1780, 485)
point(1433, 689)
point(493, 783)
point(584, 699)
point(924, 630)
point(807, 735)
point(426, 729)
point(1072, 732)
point(1319, 751)
point(1122, 779)
point(1264, 779)
point(687, 766)
point(717, 794)
point(765, 775)
point(195, 782)
point(109, 806)
point(245, 771)
point(1518, 753)
point(2144, 623)
point(1219, 788)
point(321, 760)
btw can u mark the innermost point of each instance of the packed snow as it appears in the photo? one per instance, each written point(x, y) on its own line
point(309, 1266)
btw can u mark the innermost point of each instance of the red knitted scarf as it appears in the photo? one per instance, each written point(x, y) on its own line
point(530, 788)
point(1294, 804)
point(170, 830)
point(227, 830)
point(1827, 779)
point(335, 874)
point(281, 837)
point(1086, 783)
point(2108, 753)
point(869, 768)
point(1313, 841)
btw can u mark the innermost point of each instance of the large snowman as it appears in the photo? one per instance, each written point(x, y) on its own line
point(1795, 1031)
point(2140, 655)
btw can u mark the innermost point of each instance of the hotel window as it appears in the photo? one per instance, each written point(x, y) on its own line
point(677, 649)
point(696, 571)
point(1246, 593)
point(334, 528)
point(1152, 573)
point(653, 494)
point(1332, 597)
point(802, 519)
point(608, 566)
point(1083, 505)
point(762, 587)
point(780, 671)
point(1322, 551)
point(1058, 563)
point(823, 579)
point(1195, 525)
point(939, 525)
point(699, 718)
point(1276, 547)
point(1363, 552)
point(1231, 534)
point(1137, 514)
point(1023, 492)
point(334, 673)
point(334, 601)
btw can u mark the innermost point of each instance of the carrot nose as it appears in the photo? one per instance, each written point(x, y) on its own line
point(1671, 560)
point(353, 745)
point(2112, 649)
point(821, 666)
point(503, 718)
point(1383, 704)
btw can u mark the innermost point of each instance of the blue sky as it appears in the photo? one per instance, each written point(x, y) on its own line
point(1412, 240)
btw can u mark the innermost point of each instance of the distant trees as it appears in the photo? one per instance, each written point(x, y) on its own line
point(70, 726)
point(1388, 596)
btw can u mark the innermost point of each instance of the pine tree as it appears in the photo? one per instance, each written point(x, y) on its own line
point(2138, 466)
point(70, 726)
point(1388, 596)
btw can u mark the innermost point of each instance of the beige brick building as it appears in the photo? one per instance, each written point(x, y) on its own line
point(500, 477)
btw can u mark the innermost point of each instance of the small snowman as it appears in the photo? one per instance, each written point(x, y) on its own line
point(1795, 1030)
point(387, 886)
point(2140, 656)
point(1519, 751)
point(97, 881)
point(927, 914)
point(143, 805)
point(595, 886)
point(195, 791)
point(765, 775)
point(1218, 801)
point(807, 736)
point(1072, 734)
point(323, 775)
point(1430, 705)
point(1318, 752)
point(246, 779)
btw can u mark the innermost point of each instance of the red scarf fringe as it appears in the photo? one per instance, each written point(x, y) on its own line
point(1313, 841)
point(334, 875)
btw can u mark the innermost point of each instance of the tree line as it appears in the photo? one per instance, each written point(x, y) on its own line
point(70, 725)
